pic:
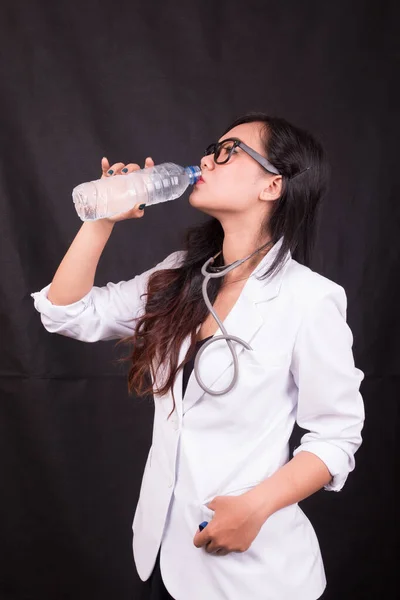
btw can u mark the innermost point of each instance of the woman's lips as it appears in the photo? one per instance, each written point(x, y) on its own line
point(201, 180)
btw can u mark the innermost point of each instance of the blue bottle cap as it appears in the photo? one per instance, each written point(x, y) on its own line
point(194, 174)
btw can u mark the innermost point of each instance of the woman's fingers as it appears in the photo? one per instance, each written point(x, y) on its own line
point(122, 169)
point(135, 167)
point(105, 165)
point(129, 168)
point(115, 169)
point(109, 171)
point(133, 213)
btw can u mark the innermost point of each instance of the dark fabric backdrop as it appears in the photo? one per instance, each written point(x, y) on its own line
point(128, 80)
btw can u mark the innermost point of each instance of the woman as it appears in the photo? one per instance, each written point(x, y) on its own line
point(223, 459)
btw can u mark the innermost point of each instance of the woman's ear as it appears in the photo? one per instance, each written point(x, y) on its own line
point(273, 189)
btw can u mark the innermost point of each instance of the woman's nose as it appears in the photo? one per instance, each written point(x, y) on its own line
point(207, 162)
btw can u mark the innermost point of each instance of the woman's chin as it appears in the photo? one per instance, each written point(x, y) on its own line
point(200, 205)
point(196, 201)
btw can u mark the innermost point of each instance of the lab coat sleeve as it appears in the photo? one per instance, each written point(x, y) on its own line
point(330, 405)
point(104, 313)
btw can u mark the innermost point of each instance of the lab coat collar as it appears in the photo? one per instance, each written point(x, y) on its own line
point(261, 290)
point(243, 321)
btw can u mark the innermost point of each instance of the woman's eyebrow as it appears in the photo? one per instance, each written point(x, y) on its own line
point(230, 139)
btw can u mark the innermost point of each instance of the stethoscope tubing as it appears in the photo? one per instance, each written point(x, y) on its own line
point(219, 272)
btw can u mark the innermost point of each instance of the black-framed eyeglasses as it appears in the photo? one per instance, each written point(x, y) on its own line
point(223, 151)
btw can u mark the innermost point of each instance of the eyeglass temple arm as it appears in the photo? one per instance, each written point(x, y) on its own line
point(263, 161)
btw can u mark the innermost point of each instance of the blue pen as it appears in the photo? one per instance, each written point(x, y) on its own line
point(202, 525)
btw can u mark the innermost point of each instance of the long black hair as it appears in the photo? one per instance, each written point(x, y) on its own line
point(302, 162)
point(174, 305)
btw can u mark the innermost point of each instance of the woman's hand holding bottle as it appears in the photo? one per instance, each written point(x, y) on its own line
point(76, 272)
point(111, 200)
point(122, 169)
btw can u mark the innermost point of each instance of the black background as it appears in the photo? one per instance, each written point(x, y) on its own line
point(128, 80)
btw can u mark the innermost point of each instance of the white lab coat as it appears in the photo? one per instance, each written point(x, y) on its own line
point(300, 368)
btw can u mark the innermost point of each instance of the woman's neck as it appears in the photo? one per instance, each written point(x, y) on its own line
point(235, 248)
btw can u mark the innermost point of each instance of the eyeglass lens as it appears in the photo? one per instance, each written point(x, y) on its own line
point(222, 151)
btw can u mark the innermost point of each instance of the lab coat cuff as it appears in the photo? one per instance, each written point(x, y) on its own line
point(58, 313)
point(335, 459)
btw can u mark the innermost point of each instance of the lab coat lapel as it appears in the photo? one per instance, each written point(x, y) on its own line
point(243, 321)
point(177, 386)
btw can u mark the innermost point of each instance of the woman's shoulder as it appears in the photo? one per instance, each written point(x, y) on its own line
point(308, 285)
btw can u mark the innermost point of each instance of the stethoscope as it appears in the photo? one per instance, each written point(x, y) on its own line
point(213, 273)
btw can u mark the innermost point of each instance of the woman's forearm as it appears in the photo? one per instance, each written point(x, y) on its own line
point(302, 476)
point(75, 275)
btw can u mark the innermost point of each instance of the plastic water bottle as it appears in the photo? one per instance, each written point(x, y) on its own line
point(114, 195)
